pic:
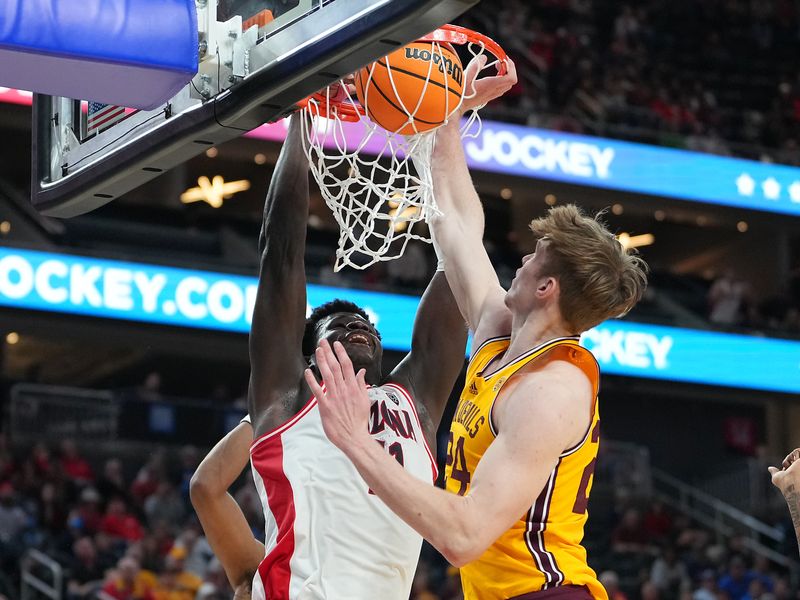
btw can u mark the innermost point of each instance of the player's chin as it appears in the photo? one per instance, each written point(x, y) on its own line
point(358, 352)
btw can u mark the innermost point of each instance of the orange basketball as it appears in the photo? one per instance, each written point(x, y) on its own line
point(412, 90)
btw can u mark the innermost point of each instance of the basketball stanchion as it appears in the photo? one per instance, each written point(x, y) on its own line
point(370, 139)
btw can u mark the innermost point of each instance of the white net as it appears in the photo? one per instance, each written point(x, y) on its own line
point(377, 183)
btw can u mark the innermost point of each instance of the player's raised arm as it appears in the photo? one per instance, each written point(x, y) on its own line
point(225, 526)
point(438, 344)
point(276, 335)
point(459, 232)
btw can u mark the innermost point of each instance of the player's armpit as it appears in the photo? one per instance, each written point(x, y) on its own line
point(541, 416)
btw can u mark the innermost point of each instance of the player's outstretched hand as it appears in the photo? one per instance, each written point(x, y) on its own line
point(789, 474)
point(481, 91)
point(344, 403)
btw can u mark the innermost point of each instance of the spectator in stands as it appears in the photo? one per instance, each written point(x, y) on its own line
point(215, 584)
point(668, 574)
point(163, 537)
point(165, 504)
point(190, 458)
point(708, 586)
point(657, 522)
point(52, 511)
point(86, 571)
point(150, 388)
point(175, 582)
point(119, 523)
point(88, 511)
point(762, 570)
point(610, 582)
point(148, 478)
point(40, 455)
point(782, 589)
point(629, 536)
point(649, 591)
point(150, 554)
point(736, 582)
point(756, 591)
point(104, 546)
point(129, 582)
point(13, 522)
point(198, 551)
point(111, 483)
point(728, 300)
point(74, 465)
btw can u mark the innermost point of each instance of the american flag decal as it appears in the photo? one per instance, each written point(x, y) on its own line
point(102, 116)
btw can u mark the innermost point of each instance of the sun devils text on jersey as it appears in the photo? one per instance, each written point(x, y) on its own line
point(542, 550)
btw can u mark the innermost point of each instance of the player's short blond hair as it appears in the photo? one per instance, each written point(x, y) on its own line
point(598, 278)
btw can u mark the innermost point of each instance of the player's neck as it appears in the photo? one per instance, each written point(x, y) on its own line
point(372, 375)
point(534, 329)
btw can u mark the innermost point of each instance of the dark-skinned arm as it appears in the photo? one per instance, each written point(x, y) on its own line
point(438, 346)
point(223, 522)
point(276, 334)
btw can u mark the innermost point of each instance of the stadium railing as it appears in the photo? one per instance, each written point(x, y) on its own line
point(41, 576)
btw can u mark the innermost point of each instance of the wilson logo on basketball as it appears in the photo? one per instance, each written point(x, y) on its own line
point(444, 63)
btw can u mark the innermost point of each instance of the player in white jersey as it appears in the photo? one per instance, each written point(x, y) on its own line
point(327, 535)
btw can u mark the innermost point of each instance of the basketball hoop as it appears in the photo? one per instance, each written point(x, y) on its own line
point(377, 201)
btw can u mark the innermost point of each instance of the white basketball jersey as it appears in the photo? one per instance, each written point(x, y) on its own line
point(328, 537)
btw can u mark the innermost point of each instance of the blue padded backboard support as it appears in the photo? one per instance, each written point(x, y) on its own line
point(136, 53)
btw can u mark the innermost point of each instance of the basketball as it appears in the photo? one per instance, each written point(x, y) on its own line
point(412, 90)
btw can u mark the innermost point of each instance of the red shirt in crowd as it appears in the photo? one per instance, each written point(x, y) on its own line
point(123, 526)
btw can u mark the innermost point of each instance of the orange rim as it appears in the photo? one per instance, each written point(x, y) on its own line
point(336, 103)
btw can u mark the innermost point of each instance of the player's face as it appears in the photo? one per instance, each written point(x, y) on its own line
point(356, 334)
point(522, 293)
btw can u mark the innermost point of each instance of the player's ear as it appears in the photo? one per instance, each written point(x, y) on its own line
point(547, 286)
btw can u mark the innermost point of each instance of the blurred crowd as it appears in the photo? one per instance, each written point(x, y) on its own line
point(117, 534)
point(656, 555)
point(123, 533)
point(716, 76)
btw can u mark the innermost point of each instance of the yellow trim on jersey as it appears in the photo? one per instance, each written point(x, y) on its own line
point(542, 549)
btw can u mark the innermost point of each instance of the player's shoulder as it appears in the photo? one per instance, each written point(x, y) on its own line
point(559, 380)
point(553, 395)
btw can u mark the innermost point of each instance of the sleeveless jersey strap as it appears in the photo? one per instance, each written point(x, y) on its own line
point(485, 353)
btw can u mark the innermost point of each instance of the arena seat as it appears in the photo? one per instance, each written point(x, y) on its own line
point(135, 53)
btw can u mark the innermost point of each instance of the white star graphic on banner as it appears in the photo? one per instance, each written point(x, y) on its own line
point(772, 189)
point(794, 192)
point(745, 184)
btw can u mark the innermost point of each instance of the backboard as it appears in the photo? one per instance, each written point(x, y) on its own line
point(258, 58)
